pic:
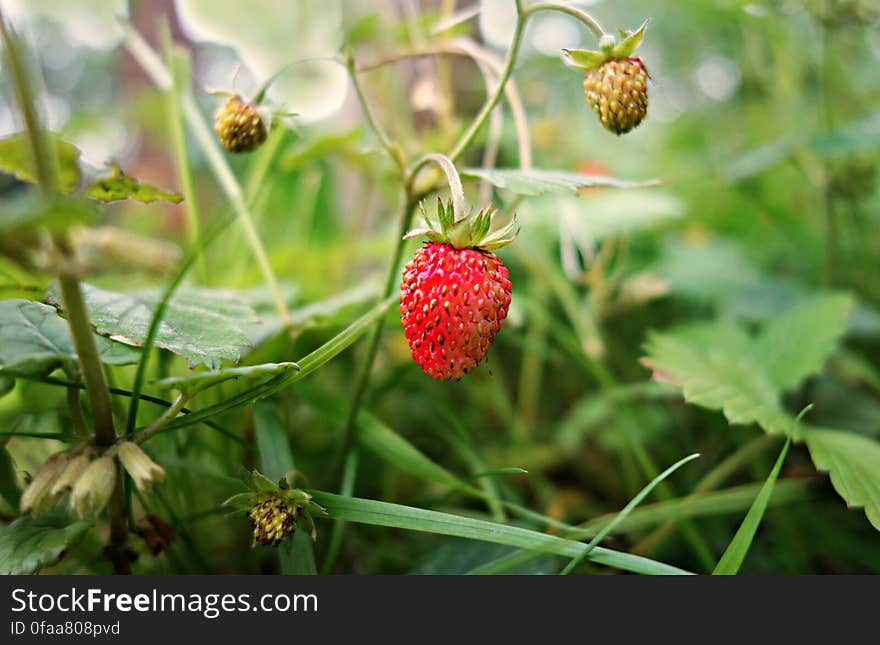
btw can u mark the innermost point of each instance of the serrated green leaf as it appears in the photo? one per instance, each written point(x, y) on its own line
point(795, 344)
point(853, 463)
point(538, 182)
point(368, 511)
point(193, 383)
point(202, 325)
point(714, 366)
point(735, 552)
point(29, 544)
point(34, 340)
point(119, 187)
point(15, 159)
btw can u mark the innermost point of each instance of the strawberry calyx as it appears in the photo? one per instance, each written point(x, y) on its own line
point(481, 230)
point(586, 59)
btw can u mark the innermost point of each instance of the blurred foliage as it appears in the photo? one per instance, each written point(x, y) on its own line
point(752, 270)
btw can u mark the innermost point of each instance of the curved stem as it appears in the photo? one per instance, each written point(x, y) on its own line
point(455, 188)
point(482, 57)
point(510, 62)
point(391, 148)
point(167, 417)
point(574, 12)
point(45, 160)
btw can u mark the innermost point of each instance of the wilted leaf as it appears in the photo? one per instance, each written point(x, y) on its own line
point(202, 325)
point(119, 186)
point(15, 159)
point(29, 544)
point(34, 340)
point(853, 462)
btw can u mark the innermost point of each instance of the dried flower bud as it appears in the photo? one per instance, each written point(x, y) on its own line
point(143, 470)
point(72, 472)
point(38, 496)
point(274, 518)
point(94, 487)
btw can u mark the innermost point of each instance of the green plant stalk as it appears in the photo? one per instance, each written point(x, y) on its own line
point(711, 481)
point(161, 77)
point(46, 165)
point(522, 16)
point(688, 528)
point(178, 66)
point(389, 146)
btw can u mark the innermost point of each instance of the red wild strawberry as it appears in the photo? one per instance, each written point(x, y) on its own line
point(455, 293)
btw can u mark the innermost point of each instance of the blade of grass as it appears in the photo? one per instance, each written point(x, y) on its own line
point(625, 512)
point(735, 553)
point(179, 64)
point(366, 511)
point(732, 500)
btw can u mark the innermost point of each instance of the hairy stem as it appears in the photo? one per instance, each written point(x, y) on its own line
point(46, 165)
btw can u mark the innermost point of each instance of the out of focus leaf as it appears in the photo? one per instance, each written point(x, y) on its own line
point(119, 186)
point(15, 159)
point(29, 544)
point(853, 462)
point(538, 182)
point(34, 340)
point(202, 325)
point(847, 140)
point(32, 211)
point(795, 344)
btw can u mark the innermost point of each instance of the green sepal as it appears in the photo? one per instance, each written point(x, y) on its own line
point(241, 501)
point(629, 44)
point(584, 59)
point(587, 59)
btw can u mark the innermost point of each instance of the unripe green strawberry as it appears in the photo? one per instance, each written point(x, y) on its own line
point(455, 294)
point(618, 92)
point(239, 125)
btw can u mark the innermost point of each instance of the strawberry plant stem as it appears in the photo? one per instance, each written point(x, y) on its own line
point(178, 63)
point(46, 165)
